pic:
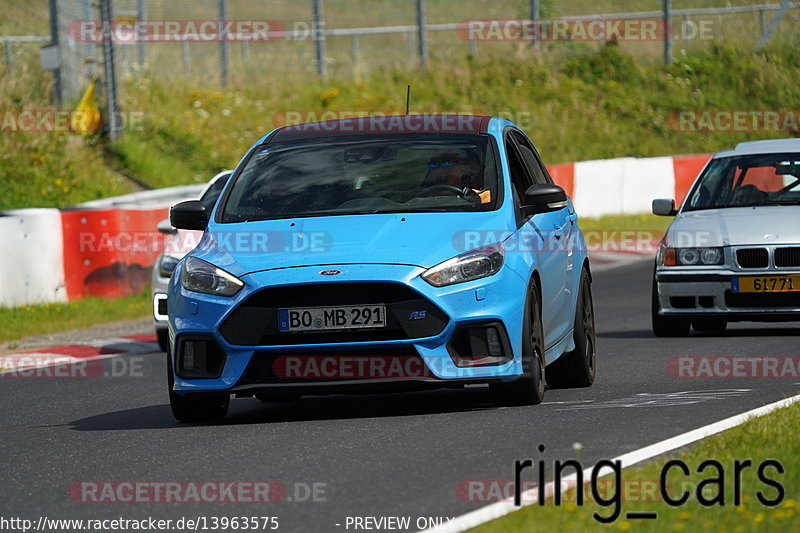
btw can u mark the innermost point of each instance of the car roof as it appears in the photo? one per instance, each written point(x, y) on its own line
point(391, 124)
point(771, 146)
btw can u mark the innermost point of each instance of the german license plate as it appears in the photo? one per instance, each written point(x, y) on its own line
point(327, 318)
point(766, 284)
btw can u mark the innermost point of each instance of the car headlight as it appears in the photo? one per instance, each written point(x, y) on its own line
point(691, 256)
point(166, 265)
point(200, 276)
point(475, 264)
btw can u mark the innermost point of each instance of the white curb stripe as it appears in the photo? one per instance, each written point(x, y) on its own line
point(502, 508)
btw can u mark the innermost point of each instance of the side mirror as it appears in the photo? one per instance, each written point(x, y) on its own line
point(543, 198)
point(189, 215)
point(664, 207)
point(166, 228)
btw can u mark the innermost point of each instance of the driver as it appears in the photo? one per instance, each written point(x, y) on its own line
point(457, 168)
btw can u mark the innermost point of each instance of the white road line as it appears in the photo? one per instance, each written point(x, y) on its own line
point(502, 508)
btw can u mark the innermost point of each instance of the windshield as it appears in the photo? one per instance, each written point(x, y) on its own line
point(753, 180)
point(345, 176)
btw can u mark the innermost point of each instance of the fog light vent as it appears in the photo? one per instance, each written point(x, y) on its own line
point(199, 358)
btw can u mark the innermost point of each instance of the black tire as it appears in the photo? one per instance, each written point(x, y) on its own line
point(530, 388)
point(284, 397)
point(710, 325)
point(666, 326)
point(162, 336)
point(203, 409)
point(578, 367)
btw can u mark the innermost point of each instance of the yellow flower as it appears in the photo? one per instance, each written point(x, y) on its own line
point(678, 527)
point(686, 515)
point(790, 503)
point(779, 515)
point(57, 182)
point(757, 519)
point(570, 506)
point(624, 526)
point(328, 96)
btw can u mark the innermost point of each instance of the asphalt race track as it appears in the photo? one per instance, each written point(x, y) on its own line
point(393, 455)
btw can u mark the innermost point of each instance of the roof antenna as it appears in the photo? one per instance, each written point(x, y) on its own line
point(408, 97)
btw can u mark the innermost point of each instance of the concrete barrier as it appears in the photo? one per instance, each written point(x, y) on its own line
point(31, 263)
point(107, 247)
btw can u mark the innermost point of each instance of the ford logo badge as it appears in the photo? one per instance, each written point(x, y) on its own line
point(331, 272)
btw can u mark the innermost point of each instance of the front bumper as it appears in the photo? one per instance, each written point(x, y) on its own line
point(250, 359)
point(708, 293)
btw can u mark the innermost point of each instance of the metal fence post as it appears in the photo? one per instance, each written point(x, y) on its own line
point(141, 15)
point(57, 95)
point(356, 55)
point(112, 104)
point(319, 38)
point(773, 25)
point(89, 52)
point(187, 61)
point(223, 46)
point(535, 19)
point(667, 32)
point(9, 58)
point(421, 33)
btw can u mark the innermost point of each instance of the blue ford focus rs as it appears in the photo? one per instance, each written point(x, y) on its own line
point(379, 254)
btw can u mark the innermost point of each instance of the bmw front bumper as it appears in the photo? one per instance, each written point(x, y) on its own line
point(709, 293)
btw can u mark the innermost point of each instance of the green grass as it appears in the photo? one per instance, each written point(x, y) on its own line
point(577, 101)
point(773, 436)
point(645, 221)
point(31, 320)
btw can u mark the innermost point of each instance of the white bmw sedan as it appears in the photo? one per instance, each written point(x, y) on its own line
point(733, 251)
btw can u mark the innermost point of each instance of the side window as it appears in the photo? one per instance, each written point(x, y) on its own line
point(535, 167)
point(520, 178)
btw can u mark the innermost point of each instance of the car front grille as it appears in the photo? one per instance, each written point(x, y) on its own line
point(353, 364)
point(409, 314)
point(787, 257)
point(752, 258)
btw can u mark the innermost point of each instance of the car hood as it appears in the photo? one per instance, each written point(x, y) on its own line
point(736, 226)
point(416, 239)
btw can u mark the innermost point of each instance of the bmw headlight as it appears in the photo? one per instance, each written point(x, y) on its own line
point(166, 265)
point(201, 276)
point(691, 256)
point(475, 264)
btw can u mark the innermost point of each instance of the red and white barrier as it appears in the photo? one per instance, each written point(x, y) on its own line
point(626, 185)
point(107, 247)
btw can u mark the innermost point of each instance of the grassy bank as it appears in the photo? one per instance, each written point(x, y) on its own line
point(30, 320)
point(776, 438)
point(593, 104)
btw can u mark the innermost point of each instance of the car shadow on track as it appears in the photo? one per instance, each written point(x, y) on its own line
point(309, 408)
point(751, 331)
